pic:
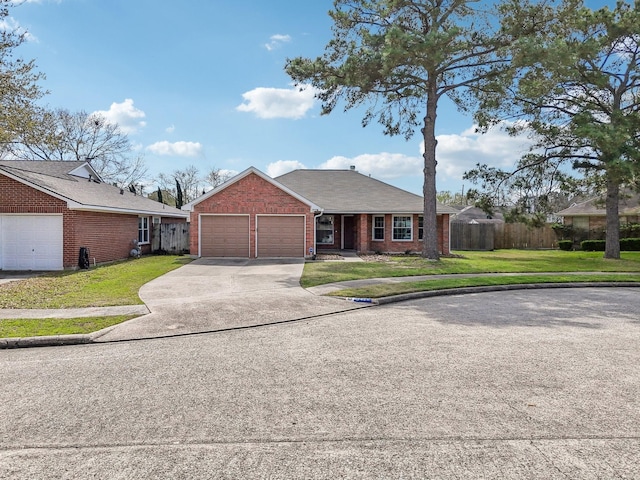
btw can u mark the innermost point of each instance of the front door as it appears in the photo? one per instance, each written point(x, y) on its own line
point(349, 233)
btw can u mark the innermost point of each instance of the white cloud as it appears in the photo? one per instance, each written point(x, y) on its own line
point(379, 165)
point(276, 41)
point(177, 149)
point(10, 24)
point(125, 115)
point(170, 129)
point(281, 167)
point(458, 153)
point(278, 102)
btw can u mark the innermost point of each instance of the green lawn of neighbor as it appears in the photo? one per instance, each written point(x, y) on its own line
point(107, 285)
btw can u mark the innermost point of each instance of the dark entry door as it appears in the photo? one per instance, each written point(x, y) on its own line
point(349, 236)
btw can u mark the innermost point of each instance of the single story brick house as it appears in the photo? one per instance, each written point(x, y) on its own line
point(50, 209)
point(306, 212)
point(590, 216)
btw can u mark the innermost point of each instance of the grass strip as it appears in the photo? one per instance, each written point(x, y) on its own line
point(386, 290)
point(498, 261)
point(36, 327)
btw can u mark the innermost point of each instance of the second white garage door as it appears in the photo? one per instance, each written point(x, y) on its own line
point(31, 242)
point(280, 236)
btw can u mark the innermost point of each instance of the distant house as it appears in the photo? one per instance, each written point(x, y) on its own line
point(474, 215)
point(308, 211)
point(50, 209)
point(591, 216)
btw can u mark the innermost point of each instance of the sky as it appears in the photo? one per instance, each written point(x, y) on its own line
point(202, 83)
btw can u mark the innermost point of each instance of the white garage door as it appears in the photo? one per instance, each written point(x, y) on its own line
point(31, 242)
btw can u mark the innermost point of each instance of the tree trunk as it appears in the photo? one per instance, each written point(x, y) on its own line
point(430, 240)
point(612, 240)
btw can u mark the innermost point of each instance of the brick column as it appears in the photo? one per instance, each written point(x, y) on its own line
point(362, 241)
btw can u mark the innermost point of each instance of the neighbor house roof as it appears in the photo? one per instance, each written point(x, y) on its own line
point(595, 207)
point(79, 185)
point(348, 191)
point(472, 214)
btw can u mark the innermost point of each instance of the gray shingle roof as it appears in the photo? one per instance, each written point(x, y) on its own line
point(628, 205)
point(347, 191)
point(80, 192)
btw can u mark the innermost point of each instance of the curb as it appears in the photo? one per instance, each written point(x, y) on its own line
point(496, 288)
point(83, 339)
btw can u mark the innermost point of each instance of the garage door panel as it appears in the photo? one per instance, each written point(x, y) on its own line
point(224, 236)
point(281, 236)
point(31, 242)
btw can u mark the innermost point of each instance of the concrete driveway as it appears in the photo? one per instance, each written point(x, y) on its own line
point(216, 294)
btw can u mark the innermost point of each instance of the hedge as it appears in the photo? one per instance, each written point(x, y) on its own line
point(630, 244)
point(565, 245)
point(626, 245)
point(592, 245)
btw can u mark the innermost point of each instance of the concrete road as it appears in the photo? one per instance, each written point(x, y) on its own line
point(523, 384)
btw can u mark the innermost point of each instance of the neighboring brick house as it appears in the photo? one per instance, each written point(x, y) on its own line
point(50, 209)
point(308, 211)
point(589, 218)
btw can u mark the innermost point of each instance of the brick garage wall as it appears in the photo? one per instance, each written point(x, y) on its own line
point(16, 197)
point(107, 235)
point(251, 195)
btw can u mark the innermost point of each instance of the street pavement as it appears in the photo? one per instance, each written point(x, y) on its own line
point(519, 384)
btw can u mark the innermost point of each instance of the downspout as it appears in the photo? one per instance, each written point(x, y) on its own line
point(315, 232)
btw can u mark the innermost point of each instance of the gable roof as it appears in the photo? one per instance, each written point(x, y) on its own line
point(240, 176)
point(473, 214)
point(347, 191)
point(81, 187)
point(594, 207)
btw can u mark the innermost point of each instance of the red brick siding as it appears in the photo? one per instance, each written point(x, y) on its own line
point(365, 242)
point(107, 235)
point(16, 197)
point(251, 195)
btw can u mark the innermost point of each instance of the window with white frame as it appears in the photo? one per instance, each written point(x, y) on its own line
point(402, 228)
point(420, 227)
point(324, 230)
point(143, 230)
point(378, 227)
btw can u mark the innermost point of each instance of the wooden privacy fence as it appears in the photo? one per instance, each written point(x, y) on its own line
point(472, 236)
point(494, 236)
point(170, 237)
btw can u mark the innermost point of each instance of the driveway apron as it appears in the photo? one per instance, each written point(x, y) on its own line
point(216, 294)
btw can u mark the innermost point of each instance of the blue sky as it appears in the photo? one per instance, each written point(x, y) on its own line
point(202, 83)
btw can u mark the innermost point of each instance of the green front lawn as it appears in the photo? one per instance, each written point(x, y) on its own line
point(107, 285)
point(499, 261)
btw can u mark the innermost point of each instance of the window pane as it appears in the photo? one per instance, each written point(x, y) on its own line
point(143, 230)
point(402, 228)
point(324, 229)
point(378, 228)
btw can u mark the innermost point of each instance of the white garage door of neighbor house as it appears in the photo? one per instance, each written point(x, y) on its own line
point(31, 242)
